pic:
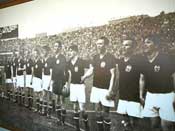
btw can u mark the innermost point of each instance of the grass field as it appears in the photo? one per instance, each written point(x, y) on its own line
point(24, 120)
point(18, 118)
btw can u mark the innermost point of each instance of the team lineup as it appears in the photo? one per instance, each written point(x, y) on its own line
point(144, 82)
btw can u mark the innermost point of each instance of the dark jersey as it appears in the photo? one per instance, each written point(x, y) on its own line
point(58, 66)
point(47, 65)
point(8, 70)
point(20, 64)
point(29, 65)
point(129, 75)
point(102, 67)
point(158, 74)
point(77, 70)
point(172, 57)
point(14, 66)
point(37, 66)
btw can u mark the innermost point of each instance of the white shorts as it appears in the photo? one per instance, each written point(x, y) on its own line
point(51, 86)
point(36, 84)
point(77, 93)
point(8, 81)
point(28, 80)
point(14, 80)
point(164, 103)
point(20, 81)
point(99, 95)
point(130, 108)
point(46, 80)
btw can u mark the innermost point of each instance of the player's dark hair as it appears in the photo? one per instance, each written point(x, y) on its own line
point(74, 48)
point(134, 42)
point(155, 38)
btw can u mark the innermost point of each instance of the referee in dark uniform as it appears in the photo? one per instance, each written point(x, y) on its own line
point(58, 77)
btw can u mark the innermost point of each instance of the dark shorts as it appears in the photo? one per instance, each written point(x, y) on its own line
point(58, 86)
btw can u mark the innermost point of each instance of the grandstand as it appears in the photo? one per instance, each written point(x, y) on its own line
point(138, 26)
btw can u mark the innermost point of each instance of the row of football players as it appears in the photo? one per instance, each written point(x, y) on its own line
point(129, 76)
point(32, 76)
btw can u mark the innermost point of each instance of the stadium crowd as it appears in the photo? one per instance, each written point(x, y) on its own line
point(138, 26)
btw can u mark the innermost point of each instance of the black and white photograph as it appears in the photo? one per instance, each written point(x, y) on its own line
point(87, 65)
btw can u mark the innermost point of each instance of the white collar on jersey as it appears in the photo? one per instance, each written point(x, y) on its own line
point(74, 60)
point(153, 56)
point(126, 59)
